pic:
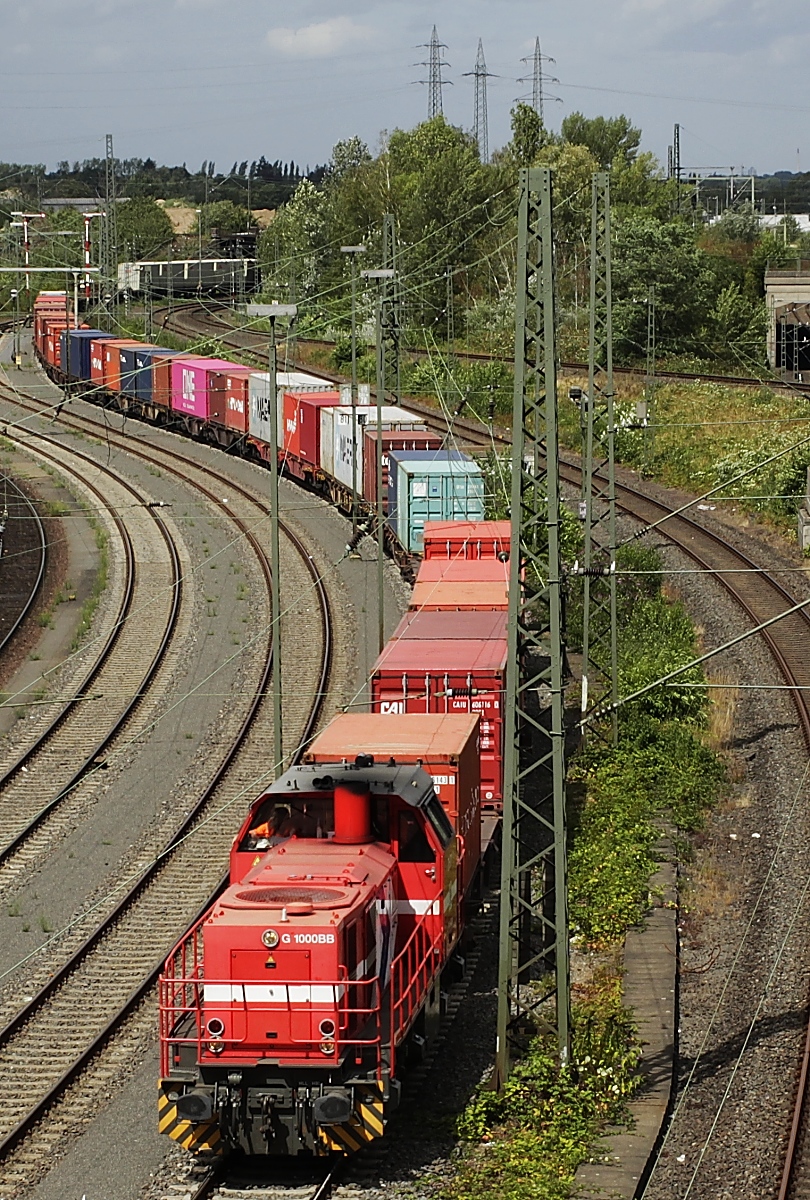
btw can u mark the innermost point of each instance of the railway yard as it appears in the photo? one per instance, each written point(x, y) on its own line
point(404, 603)
point(102, 867)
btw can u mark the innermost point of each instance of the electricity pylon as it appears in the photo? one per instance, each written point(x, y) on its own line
point(480, 112)
point(534, 968)
point(537, 77)
point(434, 81)
point(109, 227)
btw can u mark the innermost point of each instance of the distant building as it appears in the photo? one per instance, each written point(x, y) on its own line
point(787, 294)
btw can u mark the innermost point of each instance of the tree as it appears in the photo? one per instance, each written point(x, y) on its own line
point(608, 138)
point(300, 232)
point(226, 217)
point(573, 168)
point(348, 155)
point(144, 229)
point(738, 225)
point(664, 255)
point(529, 136)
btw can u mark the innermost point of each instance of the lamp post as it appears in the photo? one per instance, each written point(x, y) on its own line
point(382, 275)
point(274, 311)
point(354, 251)
point(199, 251)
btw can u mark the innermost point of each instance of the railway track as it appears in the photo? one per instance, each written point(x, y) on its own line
point(19, 603)
point(36, 784)
point(757, 593)
point(214, 321)
point(71, 1037)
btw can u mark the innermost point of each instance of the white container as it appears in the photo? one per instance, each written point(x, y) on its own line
point(338, 447)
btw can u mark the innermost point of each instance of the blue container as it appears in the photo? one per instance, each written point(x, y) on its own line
point(76, 358)
point(431, 485)
point(144, 357)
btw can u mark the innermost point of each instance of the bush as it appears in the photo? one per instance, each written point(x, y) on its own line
point(539, 1128)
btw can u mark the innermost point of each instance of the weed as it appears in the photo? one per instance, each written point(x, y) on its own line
point(45, 924)
point(99, 583)
point(15, 910)
point(56, 508)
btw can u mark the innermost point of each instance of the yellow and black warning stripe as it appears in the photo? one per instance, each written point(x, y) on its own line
point(366, 1123)
point(204, 1136)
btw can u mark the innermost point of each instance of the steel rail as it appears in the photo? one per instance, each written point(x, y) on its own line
point(91, 760)
point(794, 669)
point(797, 389)
point(43, 559)
point(39, 1109)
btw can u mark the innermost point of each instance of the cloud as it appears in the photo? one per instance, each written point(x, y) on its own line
point(320, 40)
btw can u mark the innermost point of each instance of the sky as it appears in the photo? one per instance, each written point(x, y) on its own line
point(188, 80)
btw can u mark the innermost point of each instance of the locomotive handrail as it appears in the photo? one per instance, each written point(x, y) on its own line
point(412, 971)
point(184, 996)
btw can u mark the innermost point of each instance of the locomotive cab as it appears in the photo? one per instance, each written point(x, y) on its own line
point(285, 1010)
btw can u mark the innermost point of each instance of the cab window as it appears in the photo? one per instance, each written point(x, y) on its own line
point(414, 846)
point(276, 820)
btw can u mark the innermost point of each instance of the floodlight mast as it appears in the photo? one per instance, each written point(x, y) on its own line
point(385, 318)
point(353, 251)
point(274, 311)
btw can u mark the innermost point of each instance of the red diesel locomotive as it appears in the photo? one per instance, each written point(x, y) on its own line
point(289, 1009)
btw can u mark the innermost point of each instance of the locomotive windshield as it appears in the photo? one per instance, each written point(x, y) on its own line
point(313, 817)
point(276, 821)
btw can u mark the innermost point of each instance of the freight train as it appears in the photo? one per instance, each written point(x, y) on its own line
point(291, 1010)
point(325, 443)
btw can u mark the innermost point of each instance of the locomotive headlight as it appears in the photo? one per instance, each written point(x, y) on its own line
point(270, 939)
point(327, 1028)
point(217, 1046)
point(215, 1027)
point(327, 1046)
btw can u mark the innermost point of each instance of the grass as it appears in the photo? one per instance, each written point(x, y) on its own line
point(706, 434)
point(56, 508)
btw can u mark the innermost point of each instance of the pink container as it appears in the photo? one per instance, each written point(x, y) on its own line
point(190, 384)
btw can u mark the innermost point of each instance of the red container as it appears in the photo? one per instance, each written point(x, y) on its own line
point(451, 626)
point(466, 539)
point(230, 399)
point(449, 677)
point(461, 584)
point(111, 360)
point(392, 439)
point(463, 570)
point(304, 416)
point(54, 325)
point(460, 597)
point(97, 361)
point(445, 744)
point(162, 380)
